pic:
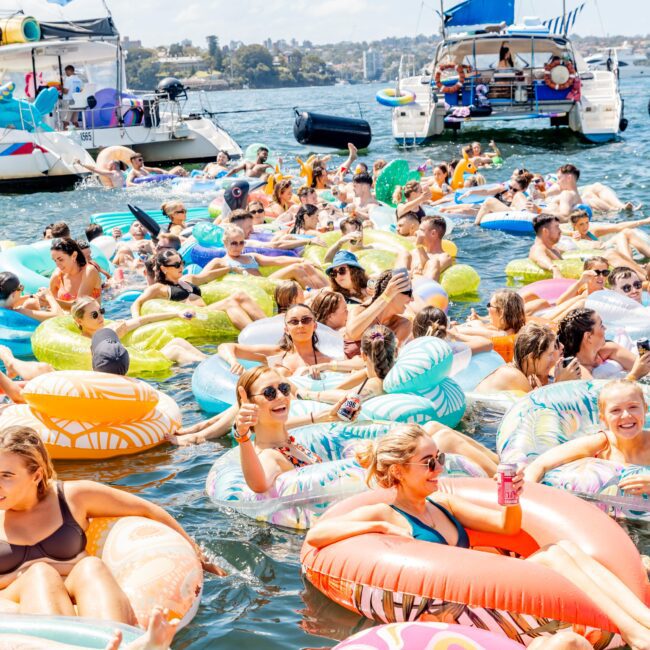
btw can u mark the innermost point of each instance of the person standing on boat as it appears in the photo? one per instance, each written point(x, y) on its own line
point(71, 84)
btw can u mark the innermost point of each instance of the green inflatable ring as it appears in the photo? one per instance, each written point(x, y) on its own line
point(59, 342)
point(261, 290)
point(523, 271)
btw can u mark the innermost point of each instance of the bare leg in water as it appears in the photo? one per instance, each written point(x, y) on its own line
point(606, 590)
point(604, 199)
point(25, 369)
point(215, 427)
point(240, 308)
point(305, 274)
point(182, 352)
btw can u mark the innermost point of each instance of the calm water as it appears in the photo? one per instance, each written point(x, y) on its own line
point(264, 603)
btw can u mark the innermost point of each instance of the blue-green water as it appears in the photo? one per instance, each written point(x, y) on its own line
point(263, 603)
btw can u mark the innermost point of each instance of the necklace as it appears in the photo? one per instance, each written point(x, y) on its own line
point(426, 510)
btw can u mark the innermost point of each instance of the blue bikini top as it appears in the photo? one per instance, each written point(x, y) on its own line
point(426, 533)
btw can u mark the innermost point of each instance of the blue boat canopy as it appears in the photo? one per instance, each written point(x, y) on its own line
point(477, 13)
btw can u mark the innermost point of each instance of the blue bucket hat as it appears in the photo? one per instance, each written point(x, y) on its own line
point(344, 257)
point(586, 208)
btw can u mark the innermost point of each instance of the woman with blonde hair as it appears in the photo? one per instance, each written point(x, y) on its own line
point(283, 198)
point(176, 212)
point(44, 566)
point(408, 460)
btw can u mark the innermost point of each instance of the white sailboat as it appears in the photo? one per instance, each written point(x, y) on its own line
point(545, 78)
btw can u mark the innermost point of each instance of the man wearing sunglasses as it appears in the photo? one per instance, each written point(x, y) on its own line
point(625, 281)
point(140, 170)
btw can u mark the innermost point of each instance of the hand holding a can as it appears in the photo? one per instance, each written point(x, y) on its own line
point(510, 482)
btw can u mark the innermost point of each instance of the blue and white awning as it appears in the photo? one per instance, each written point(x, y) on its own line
point(564, 24)
point(480, 13)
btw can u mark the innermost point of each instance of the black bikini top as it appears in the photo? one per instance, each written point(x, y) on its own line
point(182, 291)
point(64, 544)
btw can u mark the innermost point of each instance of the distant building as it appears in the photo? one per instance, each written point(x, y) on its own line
point(268, 44)
point(128, 44)
point(184, 63)
point(186, 42)
point(372, 65)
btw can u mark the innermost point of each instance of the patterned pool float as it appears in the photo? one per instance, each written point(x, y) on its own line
point(555, 414)
point(300, 494)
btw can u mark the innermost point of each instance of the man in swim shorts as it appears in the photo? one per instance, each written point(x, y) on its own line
point(547, 235)
point(566, 198)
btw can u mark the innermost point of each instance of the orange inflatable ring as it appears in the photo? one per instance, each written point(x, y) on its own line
point(548, 69)
point(76, 439)
point(97, 397)
point(391, 578)
point(438, 78)
point(505, 346)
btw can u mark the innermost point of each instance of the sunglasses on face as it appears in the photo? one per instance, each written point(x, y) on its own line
point(604, 273)
point(180, 211)
point(626, 288)
point(305, 320)
point(341, 270)
point(96, 313)
point(139, 159)
point(260, 211)
point(173, 265)
point(432, 462)
point(236, 243)
point(271, 392)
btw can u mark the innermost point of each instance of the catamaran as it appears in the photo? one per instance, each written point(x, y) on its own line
point(487, 69)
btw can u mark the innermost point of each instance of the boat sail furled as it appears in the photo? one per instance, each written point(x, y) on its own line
point(487, 69)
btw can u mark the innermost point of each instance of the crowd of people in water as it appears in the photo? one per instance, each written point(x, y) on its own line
point(44, 568)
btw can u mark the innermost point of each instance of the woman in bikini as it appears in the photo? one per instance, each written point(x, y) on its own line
point(582, 334)
point(73, 277)
point(409, 460)
point(171, 284)
point(44, 567)
point(236, 261)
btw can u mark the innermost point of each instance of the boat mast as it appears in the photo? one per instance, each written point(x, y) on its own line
point(442, 19)
point(564, 21)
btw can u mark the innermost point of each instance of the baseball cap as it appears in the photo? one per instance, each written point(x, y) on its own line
point(108, 353)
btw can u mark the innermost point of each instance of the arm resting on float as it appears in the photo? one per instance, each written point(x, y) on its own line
point(505, 520)
point(476, 342)
point(230, 352)
point(583, 447)
point(154, 291)
point(600, 229)
point(280, 260)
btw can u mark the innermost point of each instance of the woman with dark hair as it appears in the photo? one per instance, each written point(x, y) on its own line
point(288, 293)
point(11, 297)
point(537, 357)
point(347, 277)
point(432, 321)
point(306, 222)
point(171, 284)
point(505, 57)
point(73, 277)
point(319, 178)
point(582, 334)
point(511, 196)
point(413, 195)
point(297, 349)
point(330, 308)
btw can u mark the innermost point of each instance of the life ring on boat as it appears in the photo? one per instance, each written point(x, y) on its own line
point(460, 69)
point(548, 74)
point(389, 97)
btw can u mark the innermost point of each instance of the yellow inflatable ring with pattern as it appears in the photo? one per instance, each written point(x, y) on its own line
point(153, 564)
point(67, 439)
point(96, 397)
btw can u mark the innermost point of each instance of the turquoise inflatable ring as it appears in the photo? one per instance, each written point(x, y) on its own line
point(389, 97)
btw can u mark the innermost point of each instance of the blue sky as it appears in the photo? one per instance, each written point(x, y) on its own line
point(164, 21)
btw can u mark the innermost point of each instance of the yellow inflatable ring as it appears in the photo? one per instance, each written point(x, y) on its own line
point(67, 439)
point(59, 342)
point(152, 564)
point(97, 397)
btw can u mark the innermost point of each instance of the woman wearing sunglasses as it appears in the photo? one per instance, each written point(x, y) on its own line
point(256, 208)
point(236, 261)
point(283, 198)
point(582, 334)
point(506, 316)
point(408, 460)
point(89, 317)
point(297, 349)
point(39, 306)
point(263, 398)
point(348, 277)
point(176, 212)
point(171, 284)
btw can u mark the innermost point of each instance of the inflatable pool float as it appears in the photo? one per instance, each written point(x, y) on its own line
point(555, 414)
point(391, 578)
point(94, 415)
point(195, 185)
point(513, 222)
point(33, 263)
point(395, 173)
point(260, 289)
point(16, 332)
point(201, 255)
point(59, 342)
point(206, 327)
point(154, 179)
point(620, 312)
point(549, 290)
point(123, 220)
point(418, 636)
point(523, 271)
point(389, 97)
point(300, 494)
point(460, 280)
point(80, 632)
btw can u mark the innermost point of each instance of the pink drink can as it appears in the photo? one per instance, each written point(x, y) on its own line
point(507, 494)
point(349, 408)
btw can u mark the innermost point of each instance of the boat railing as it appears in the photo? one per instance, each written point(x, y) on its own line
point(406, 69)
